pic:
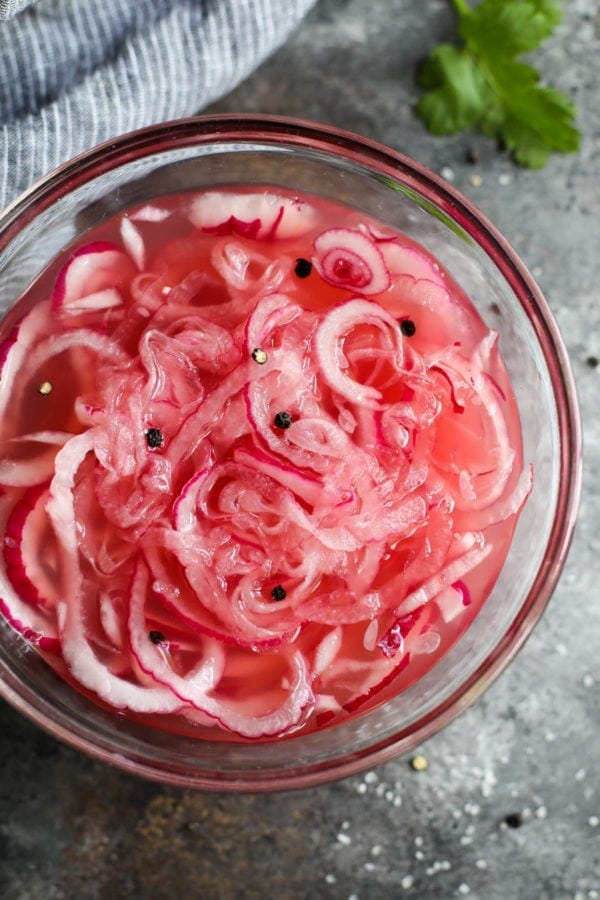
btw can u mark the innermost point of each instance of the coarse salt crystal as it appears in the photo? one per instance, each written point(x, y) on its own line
point(438, 866)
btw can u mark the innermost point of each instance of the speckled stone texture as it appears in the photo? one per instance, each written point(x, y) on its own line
point(71, 828)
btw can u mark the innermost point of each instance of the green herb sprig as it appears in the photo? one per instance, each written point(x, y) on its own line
point(483, 84)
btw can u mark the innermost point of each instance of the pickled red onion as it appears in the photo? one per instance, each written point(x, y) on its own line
point(214, 563)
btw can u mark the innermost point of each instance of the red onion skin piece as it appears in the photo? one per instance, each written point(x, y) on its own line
point(412, 624)
point(7, 345)
point(453, 600)
point(45, 642)
point(252, 215)
point(233, 225)
point(72, 285)
point(25, 613)
point(13, 550)
point(464, 590)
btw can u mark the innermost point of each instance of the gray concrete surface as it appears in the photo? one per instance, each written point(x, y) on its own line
point(71, 828)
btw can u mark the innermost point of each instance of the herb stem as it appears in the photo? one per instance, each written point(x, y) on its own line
point(461, 7)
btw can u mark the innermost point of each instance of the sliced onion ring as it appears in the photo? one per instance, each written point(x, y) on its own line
point(348, 258)
point(91, 269)
point(335, 325)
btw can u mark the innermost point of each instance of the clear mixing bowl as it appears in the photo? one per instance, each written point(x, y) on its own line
point(314, 159)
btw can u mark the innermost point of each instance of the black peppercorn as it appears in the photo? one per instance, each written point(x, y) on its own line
point(514, 820)
point(283, 420)
point(303, 268)
point(154, 438)
point(157, 637)
point(278, 592)
point(408, 327)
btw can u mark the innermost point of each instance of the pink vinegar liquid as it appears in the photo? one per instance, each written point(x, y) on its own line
point(187, 265)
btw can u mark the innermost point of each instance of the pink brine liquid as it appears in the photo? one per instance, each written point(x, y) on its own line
point(260, 468)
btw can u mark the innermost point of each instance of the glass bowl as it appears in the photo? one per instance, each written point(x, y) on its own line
point(304, 157)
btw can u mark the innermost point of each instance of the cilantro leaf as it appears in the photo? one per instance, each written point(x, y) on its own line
point(483, 84)
point(507, 28)
point(457, 91)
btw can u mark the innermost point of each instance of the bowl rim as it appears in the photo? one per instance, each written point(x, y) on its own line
point(275, 130)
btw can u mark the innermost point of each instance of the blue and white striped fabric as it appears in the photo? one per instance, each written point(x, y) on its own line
point(10, 8)
point(74, 73)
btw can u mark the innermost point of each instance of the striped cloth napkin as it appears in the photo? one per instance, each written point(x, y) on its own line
point(74, 73)
point(10, 8)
